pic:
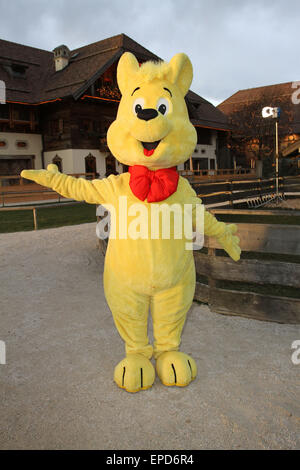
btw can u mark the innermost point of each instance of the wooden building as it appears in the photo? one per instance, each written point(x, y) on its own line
point(60, 104)
point(253, 137)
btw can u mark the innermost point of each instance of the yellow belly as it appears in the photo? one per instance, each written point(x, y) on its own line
point(147, 248)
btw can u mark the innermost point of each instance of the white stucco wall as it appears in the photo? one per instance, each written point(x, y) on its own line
point(73, 160)
point(65, 155)
point(34, 145)
point(79, 160)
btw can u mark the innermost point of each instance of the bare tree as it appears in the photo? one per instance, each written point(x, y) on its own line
point(252, 136)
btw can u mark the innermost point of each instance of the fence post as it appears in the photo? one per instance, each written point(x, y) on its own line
point(229, 188)
point(259, 187)
point(35, 219)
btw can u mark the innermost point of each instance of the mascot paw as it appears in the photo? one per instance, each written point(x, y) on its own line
point(134, 373)
point(176, 368)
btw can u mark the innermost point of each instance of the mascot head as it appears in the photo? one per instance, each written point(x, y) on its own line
point(152, 127)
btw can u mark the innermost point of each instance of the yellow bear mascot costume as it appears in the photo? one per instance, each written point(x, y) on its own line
point(152, 134)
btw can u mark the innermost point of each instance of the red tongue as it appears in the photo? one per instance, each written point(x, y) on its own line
point(148, 153)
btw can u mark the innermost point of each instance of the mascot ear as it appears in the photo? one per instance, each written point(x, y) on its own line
point(127, 68)
point(181, 72)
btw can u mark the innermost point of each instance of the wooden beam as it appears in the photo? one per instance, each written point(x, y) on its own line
point(265, 238)
point(279, 212)
point(248, 270)
point(257, 306)
point(202, 292)
point(250, 305)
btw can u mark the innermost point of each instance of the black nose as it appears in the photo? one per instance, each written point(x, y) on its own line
point(147, 114)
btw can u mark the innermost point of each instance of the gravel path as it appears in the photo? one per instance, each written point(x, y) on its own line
point(57, 392)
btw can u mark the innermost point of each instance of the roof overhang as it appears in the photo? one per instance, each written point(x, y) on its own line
point(210, 125)
point(98, 74)
point(33, 104)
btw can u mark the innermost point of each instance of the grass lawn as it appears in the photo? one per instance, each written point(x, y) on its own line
point(47, 217)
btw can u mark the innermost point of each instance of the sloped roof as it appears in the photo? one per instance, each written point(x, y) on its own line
point(37, 63)
point(203, 113)
point(277, 95)
point(44, 83)
point(86, 64)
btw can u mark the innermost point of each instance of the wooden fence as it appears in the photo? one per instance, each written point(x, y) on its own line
point(232, 192)
point(22, 190)
point(217, 193)
point(279, 277)
point(34, 209)
point(16, 180)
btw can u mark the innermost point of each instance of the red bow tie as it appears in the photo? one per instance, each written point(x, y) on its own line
point(154, 185)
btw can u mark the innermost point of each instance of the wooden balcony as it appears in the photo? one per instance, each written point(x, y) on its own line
point(222, 174)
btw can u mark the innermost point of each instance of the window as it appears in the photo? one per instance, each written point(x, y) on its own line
point(53, 127)
point(4, 111)
point(200, 163)
point(21, 144)
point(110, 162)
point(96, 126)
point(21, 113)
point(90, 164)
point(106, 85)
point(203, 136)
point(86, 125)
point(56, 126)
point(58, 162)
point(18, 71)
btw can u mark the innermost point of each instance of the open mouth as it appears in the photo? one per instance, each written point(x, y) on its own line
point(149, 147)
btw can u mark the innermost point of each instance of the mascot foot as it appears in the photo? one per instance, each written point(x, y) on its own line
point(176, 368)
point(134, 373)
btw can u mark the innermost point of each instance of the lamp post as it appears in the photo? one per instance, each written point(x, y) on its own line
point(274, 113)
point(276, 156)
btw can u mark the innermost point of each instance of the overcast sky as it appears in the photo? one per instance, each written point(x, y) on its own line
point(233, 44)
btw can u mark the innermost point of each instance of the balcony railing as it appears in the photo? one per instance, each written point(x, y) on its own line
point(219, 174)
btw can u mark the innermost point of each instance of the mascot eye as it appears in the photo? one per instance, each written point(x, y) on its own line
point(163, 106)
point(138, 105)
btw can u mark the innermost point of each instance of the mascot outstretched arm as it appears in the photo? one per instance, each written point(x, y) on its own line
point(152, 134)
